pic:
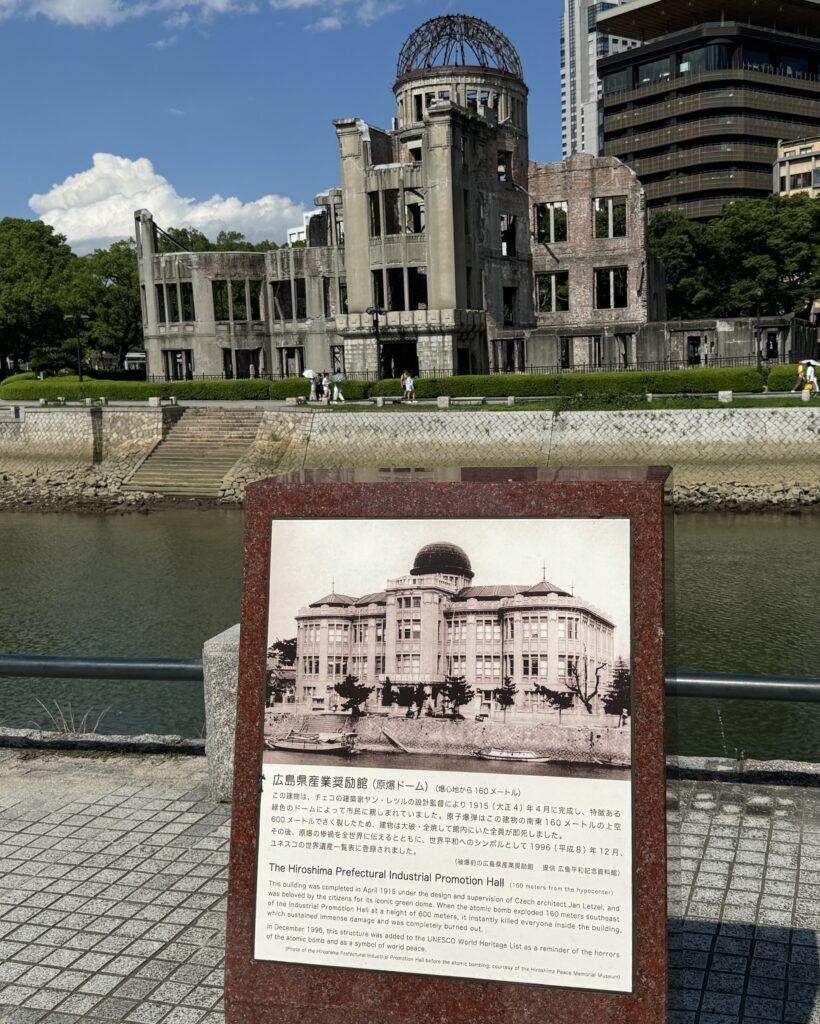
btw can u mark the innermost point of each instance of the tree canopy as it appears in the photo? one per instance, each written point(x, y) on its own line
point(715, 269)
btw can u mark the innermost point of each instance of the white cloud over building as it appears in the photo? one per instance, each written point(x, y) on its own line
point(95, 207)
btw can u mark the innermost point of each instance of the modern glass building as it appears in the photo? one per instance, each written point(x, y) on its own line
point(698, 108)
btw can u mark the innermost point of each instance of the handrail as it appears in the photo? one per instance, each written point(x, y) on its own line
point(725, 686)
point(155, 669)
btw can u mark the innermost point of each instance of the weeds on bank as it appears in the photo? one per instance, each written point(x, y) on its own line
point(64, 722)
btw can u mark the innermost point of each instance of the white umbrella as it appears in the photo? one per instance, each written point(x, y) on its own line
point(309, 373)
point(338, 377)
point(811, 362)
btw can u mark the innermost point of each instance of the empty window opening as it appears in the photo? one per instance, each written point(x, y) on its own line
point(178, 364)
point(392, 217)
point(173, 303)
point(553, 292)
point(415, 151)
point(342, 295)
point(417, 288)
point(160, 292)
point(693, 345)
point(255, 291)
point(238, 301)
point(220, 296)
point(144, 304)
point(772, 347)
point(378, 289)
point(485, 97)
point(610, 217)
point(282, 300)
point(414, 222)
point(290, 362)
point(444, 95)
point(327, 300)
point(472, 99)
point(565, 356)
point(429, 99)
point(301, 299)
point(550, 222)
point(375, 214)
point(508, 299)
point(418, 101)
point(395, 289)
point(508, 226)
point(467, 217)
point(504, 165)
point(468, 283)
point(610, 288)
point(187, 293)
point(337, 358)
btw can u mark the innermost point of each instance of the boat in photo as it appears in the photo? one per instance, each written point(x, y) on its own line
point(497, 754)
point(315, 742)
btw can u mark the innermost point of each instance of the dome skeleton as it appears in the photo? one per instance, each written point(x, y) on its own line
point(450, 40)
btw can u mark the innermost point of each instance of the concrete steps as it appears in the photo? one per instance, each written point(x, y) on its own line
point(199, 451)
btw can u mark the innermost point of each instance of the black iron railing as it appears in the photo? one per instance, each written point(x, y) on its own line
point(678, 684)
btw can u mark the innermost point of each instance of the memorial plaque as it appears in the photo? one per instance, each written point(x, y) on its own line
point(449, 772)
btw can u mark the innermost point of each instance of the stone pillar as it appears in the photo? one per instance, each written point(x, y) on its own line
point(220, 663)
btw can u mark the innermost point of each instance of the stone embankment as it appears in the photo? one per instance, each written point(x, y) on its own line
point(732, 459)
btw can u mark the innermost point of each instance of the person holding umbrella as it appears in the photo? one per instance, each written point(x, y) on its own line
point(325, 387)
point(337, 387)
point(811, 376)
point(311, 375)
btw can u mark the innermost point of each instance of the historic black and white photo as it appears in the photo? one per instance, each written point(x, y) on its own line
point(464, 645)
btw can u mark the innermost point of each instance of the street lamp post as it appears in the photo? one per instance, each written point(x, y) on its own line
point(759, 354)
point(79, 319)
point(376, 312)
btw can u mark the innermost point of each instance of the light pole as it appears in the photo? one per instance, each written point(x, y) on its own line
point(376, 312)
point(758, 296)
point(79, 319)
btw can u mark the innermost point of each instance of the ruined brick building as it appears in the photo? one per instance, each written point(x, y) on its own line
point(443, 250)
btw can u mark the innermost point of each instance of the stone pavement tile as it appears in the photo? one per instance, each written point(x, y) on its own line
point(45, 999)
point(149, 1013)
point(100, 984)
point(112, 1008)
point(768, 1009)
point(729, 983)
point(10, 1014)
point(10, 972)
point(16, 995)
point(137, 988)
point(768, 968)
point(184, 1015)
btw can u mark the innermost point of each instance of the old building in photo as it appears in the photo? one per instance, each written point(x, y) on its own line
point(435, 622)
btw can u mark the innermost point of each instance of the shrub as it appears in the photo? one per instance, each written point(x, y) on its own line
point(782, 378)
point(601, 386)
point(15, 378)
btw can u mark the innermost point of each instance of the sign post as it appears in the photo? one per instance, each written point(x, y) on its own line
point(449, 798)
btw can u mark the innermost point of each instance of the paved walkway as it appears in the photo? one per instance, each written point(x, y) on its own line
point(113, 878)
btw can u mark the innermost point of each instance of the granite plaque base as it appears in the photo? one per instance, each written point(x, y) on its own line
point(449, 790)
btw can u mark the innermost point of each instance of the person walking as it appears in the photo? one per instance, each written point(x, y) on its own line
point(410, 386)
point(326, 387)
point(801, 376)
point(811, 378)
point(337, 391)
point(312, 397)
point(403, 382)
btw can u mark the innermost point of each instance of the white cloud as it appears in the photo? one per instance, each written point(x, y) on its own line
point(329, 24)
point(176, 112)
point(338, 12)
point(163, 44)
point(96, 207)
point(179, 13)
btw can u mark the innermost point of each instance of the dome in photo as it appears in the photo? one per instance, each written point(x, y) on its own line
point(444, 559)
point(458, 40)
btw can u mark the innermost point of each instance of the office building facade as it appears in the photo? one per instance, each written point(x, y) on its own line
point(698, 108)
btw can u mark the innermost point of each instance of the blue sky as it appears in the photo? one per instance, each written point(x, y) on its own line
point(191, 103)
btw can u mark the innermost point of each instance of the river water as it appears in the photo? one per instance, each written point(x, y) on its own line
point(745, 598)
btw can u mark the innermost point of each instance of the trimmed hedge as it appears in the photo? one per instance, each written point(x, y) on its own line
point(27, 388)
point(17, 377)
point(782, 377)
point(589, 385)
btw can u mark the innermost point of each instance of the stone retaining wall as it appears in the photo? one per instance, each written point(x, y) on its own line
point(76, 436)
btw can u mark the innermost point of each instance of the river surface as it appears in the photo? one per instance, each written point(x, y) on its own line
point(745, 598)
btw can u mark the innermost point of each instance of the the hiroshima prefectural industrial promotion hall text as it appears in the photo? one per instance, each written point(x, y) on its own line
point(433, 622)
point(476, 259)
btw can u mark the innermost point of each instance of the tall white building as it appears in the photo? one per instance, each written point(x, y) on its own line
point(581, 46)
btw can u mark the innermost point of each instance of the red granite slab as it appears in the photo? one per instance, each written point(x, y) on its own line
point(263, 992)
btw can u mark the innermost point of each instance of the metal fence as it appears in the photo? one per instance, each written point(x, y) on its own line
point(436, 372)
point(678, 684)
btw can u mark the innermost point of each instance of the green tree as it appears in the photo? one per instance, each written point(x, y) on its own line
point(618, 698)
point(33, 265)
point(505, 694)
point(688, 251)
point(456, 693)
point(353, 693)
point(285, 649)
